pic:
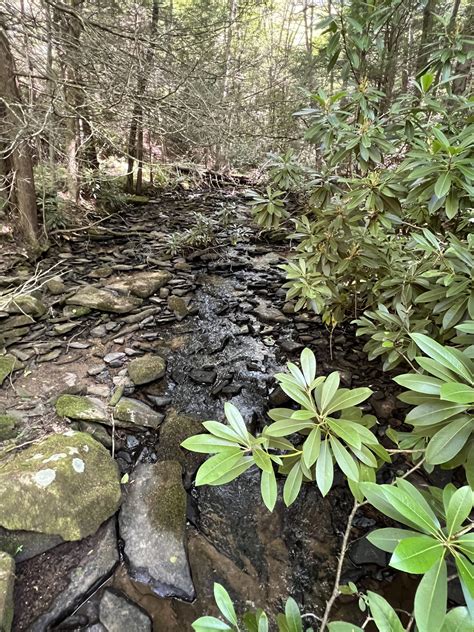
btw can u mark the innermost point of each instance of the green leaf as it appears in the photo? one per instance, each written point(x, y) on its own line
point(345, 430)
point(448, 441)
point(346, 398)
point(236, 421)
point(222, 431)
point(268, 489)
point(388, 539)
point(431, 599)
point(344, 459)
point(236, 470)
point(343, 626)
point(311, 447)
point(457, 620)
point(441, 354)
point(457, 392)
point(442, 185)
point(426, 81)
point(286, 427)
point(419, 383)
point(218, 465)
point(459, 508)
point(465, 543)
point(385, 617)
point(224, 603)
point(293, 616)
point(308, 364)
point(209, 624)
point(262, 459)
point(433, 413)
point(324, 469)
point(293, 484)
point(417, 554)
point(206, 443)
point(329, 389)
point(466, 573)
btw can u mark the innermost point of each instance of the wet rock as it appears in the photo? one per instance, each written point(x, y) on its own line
point(146, 369)
point(131, 412)
point(290, 346)
point(363, 552)
point(50, 586)
point(27, 304)
point(178, 306)
point(142, 284)
point(115, 359)
point(67, 485)
point(97, 431)
point(7, 427)
point(269, 314)
point(152, 524)
point(82, 408)
point(8, 365)
point(203, 377)
point(118, 614)
point(103, 300)
point(175, 429)
point(7, 579)
point(278, 397)
point(55, 286)
point(22, 545)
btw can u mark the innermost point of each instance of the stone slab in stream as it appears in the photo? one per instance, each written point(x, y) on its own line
point(66, 485)
point(7, 579)
point(52, 585)
point(152, 524)
point(118, 614)
point(142, 284)
point(104, 300)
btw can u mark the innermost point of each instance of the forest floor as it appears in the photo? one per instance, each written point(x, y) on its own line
point(220, 321)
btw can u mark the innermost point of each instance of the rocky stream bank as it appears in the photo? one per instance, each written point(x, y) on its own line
point(105, 368)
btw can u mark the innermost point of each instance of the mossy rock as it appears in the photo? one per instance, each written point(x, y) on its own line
point(7, 579)
point(66, 485)
point(14, 322)
point(76, 311)
point(131, 412)
point(9, 364)
point(27, 304)
point(81, 408)
point(175, 429)
point(179, 306)
point(142, 284)
point(146, 369)
point(137, 200)
point(103, 300)
point(7, 427)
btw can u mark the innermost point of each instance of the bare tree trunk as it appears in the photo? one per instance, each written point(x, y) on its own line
point(15, 151)
point(139, 186)
point(426, 34)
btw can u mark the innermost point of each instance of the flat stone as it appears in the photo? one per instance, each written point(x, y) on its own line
point(202, 377)
point(76, 311)
point(103, 300)
point(131, 412)
point(64, 576)
point(55, 286)
point(7, 579)
point(82, 408)
point(64, 328)
point(178, 306)
point(142, 284)
point(10, 324)
point(152, 524)
point(22, 545)
point(66, 485)
point(8, 365)
point(27, 304)
point(118, 614)
point(97, 431)
point(146, 369)
point(269, 314)
point(115, 359)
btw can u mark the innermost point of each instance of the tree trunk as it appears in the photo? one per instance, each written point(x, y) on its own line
point(15, 150)
point(426, 35)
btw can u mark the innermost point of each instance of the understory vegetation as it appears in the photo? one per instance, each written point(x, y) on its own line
point(349, 127)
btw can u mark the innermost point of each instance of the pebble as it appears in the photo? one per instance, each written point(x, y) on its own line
point(115, 359)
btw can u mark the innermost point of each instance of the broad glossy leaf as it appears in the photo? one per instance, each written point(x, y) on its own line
point(286, 427)
point(433, 413)
point(324, 469)
point(262, 460)
point(443, 355)
point(388, 539)
point(329, 389)
point(209, 624)
point(345, 431)
point(311, 447)
point(217, 466)
point(236, 470)
point(465, 543)
point(293, 616)
point(459, 508)
point(346, 398)
point(466, 573)
point(442, 185)
point(383, 614)
point(292, 484)
point(419, 383)
point(344, 459)
point(343, 626)
point(457, 392)
point(308, 364)
point(431, 599)
point(268, 489)
point(417, 554)
point(458, 620)
point(448, 441)
point(222, 431)
point(236, 420)
point(206, 443)
point(224, 603)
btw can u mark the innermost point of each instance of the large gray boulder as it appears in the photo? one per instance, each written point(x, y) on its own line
point(153, 526)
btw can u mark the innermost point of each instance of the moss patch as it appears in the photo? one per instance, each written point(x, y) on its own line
point(82, 408)
point(9, 364)
point(7, 427)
